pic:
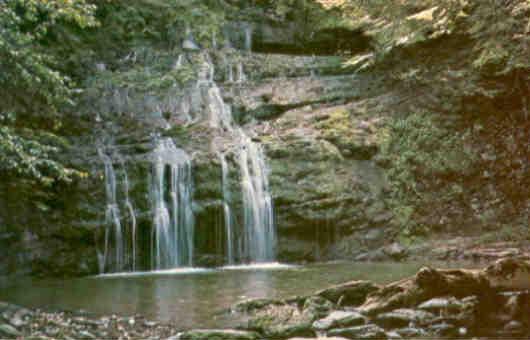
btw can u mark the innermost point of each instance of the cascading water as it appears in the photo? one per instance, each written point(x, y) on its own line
point(257, 244)
point(120, 257)
point(132, 215)
point(220, 113)
point(241, 76)
point(230, 74)
point(248, 38)
point(172, 234)
point(227, 211)
point(173, 220)
point(259, 232)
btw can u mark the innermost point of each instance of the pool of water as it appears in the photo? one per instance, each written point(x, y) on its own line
point(194, 298)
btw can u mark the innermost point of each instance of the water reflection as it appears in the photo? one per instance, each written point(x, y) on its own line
point(194, 299)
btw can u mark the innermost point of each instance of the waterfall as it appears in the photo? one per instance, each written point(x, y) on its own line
point(130, 210)
point(259, 230)
point(113, 220)
point(230, 74)
point(249, 235)
point(257, 244)
point(220, 114)
point(178, 63)
point(248, 38)
point(241, 77)
point(214, 41)
point(227, 210)
point(173, 221)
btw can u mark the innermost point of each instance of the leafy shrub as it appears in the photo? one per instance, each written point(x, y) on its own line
point(418, 151)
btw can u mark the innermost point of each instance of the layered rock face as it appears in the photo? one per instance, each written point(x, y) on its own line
point(353, 172)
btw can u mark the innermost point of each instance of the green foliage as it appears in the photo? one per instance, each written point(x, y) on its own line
point(32, 88)
point(29, 153)
point(418, 151)
point(140, 22)
point(28, 72)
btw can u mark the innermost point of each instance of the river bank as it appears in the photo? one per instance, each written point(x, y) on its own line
point(491, 302)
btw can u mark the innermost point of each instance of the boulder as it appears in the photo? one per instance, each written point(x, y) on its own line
point(339, 319)
point(411, 332)
point(317, 306)
point(217, 334)
point(395, 251)
point(449, 304)
point(351, 293)
point(360, 332)
point(8, 331)
point(443, 329)
point(281, 321)
point(403, 318)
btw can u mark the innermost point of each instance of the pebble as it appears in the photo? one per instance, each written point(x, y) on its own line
point(86, 335)
point(8, 330)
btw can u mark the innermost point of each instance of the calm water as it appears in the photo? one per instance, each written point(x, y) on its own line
point(192, 299)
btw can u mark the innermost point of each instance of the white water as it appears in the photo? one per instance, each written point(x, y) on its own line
point(248, 38)
point(220, 114)
point(118, 258)
point(258, 240)
point(230, 74)
point(260, 266)
point(241, 76)
point(130, 210)
point(173, 220)
point(227, 211)
point(174, 271)
point(178, 63)
point(259, 229)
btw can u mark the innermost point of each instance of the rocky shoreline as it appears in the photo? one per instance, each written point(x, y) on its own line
point(19, 322)
point(493, 302)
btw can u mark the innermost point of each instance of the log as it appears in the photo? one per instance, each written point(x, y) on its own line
point(428, 283)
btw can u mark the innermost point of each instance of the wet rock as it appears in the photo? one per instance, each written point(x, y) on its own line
point(395, 251)
point(513, 327)
point(20, 317)
point(217, 334)
point(403, 317)
point(317, 307)
point(87, 322)
point(339, 319)
point(393, 335)
point(443, 329)
point(374, 256)
point(441, 304)
point(86, 335)
point(352, 293)
point(150, 323)
point(411, 332)
point(253, 304)
point(52, 331)
point(320, 338)
point(360, 332)
point(282, 321)
point(9, 331)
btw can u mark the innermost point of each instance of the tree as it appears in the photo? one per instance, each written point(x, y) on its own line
point(32, 88)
